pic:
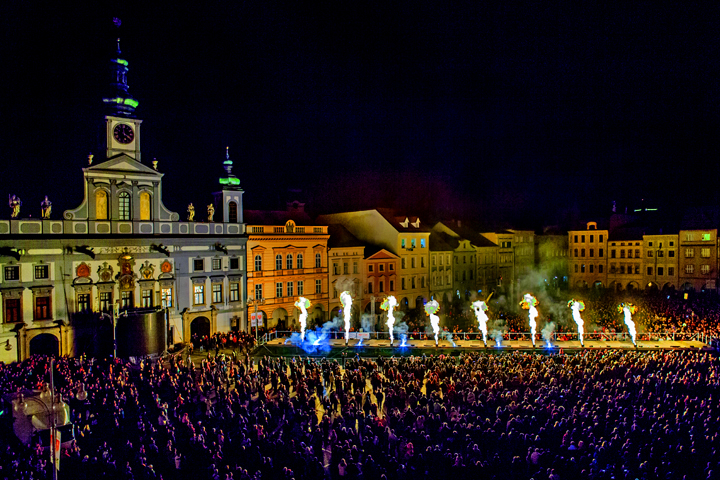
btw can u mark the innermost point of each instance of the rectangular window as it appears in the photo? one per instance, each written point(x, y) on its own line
point(42, 308)
point(199, 265)
point(660, 271)
point(346, 268)
point(412, 282)
point(83, 302)
point(290, 289)
point(412, 243)
point(582, 268)
point(318, 286)
point(689, 268)
point(689, 253)
point(582, 238)
point(705, 269)
point(705, 252)
point(392, 286)
point(592, 252)
point(660, 253)
point(612, 253)
point(258, 292)
point(336, 269)
point(301, 287)
point(126, 299)
point(650, 253)
point(392, 267)
point(412, 262)
point(199, 294)
point(381, 267)
point(688, 237)
point(671, 271)
point(217, 263)
point(600, 269)
point(591, 268)
point(402, 283)
point(382, 287)
point(600, 252)
point(576, 238)
point(217, 294)
point(370, 285)
point(600, 238)
point(42, 272)
point(422, 243)
point(318, 261)
point(12, 272)
point(592, 238)
point(637, 253)
point(234, 263)
point(234, 292)
point(582, 252)
point(402, 263)
point(422, 262)
point(147, 295)
point(355, 267)
point(671, 253)
point(706, 237)
point(12, 310)
point(166, 297)
point(106, 301)
point(370, 268)
point(576, 268)
point(622, 253)
point(402, 243)
point(649, 270)
point(278, 289)
point(637, 269)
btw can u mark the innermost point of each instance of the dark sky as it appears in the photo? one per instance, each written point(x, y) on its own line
point(517, 111)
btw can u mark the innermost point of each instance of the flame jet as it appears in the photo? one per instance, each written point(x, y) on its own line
point(480, 308)
point(346, 300)
point(529, 303)
point(628, 309)
point(578, 306)
point(431, 308)
point(389, 304)
point(303, 304)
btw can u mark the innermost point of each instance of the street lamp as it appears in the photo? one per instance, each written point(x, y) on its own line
point(255, 302)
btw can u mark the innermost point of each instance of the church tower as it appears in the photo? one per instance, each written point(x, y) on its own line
point(229, 201)
point(123, 129)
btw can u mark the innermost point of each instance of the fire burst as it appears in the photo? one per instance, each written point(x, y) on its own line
point(628, 309)
point(346, 300)
point(578, 306)
point(389, 304)
point(431, 308)
point(529, 303)
point(303, 304)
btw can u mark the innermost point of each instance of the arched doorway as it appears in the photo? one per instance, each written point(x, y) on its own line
point(652, 287)
point(45, 344)
point(200, 326)
point(279, 319)
point(335, 313)
point(668, 287)
point(632, 286)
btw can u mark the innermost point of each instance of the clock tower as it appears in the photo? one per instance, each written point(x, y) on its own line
point(122, 128)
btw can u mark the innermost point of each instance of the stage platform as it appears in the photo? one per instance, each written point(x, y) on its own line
point(281, 347)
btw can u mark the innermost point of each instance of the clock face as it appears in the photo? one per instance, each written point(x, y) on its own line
point(123, 133)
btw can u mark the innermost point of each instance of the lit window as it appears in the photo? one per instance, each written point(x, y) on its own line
point(258, 263)
point(83, 302)
point(422, 243)
point(166, 297)
point(318, 286)
point(689, 253)
point(705, 269)
point(689, 268)
point(105, 301)
point(199, 294)
point(412, 243)
point(217, 263)
point(258, 292)
point(147, 298)
point(278, 289)
point(234, 292)
point(301, 287)
point(12, 272)
point(318, 261)
point(232, 212)
point(217, 293)
point(12, 310)
point(126, 299)
point(705, 252)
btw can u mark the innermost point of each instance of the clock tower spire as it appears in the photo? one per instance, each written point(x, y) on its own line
point(123, 129)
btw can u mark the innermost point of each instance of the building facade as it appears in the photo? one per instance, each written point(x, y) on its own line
point(697, 260)
point(588, 257)
point(661, 262)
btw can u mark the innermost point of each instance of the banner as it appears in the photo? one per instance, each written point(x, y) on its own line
point(363, 335)
point(253, 320)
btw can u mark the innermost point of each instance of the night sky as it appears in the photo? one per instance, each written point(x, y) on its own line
point(518, 112)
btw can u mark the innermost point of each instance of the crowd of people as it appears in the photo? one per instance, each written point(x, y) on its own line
point(597, 414)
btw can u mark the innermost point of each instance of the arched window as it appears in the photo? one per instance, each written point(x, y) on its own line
point(299, 260)
point(318, 261)
point(232, 212)
point(258, 263)
point(124, 206)
point(101, 205)
point(144, 206)
point(278, 262)
point(289, 261)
